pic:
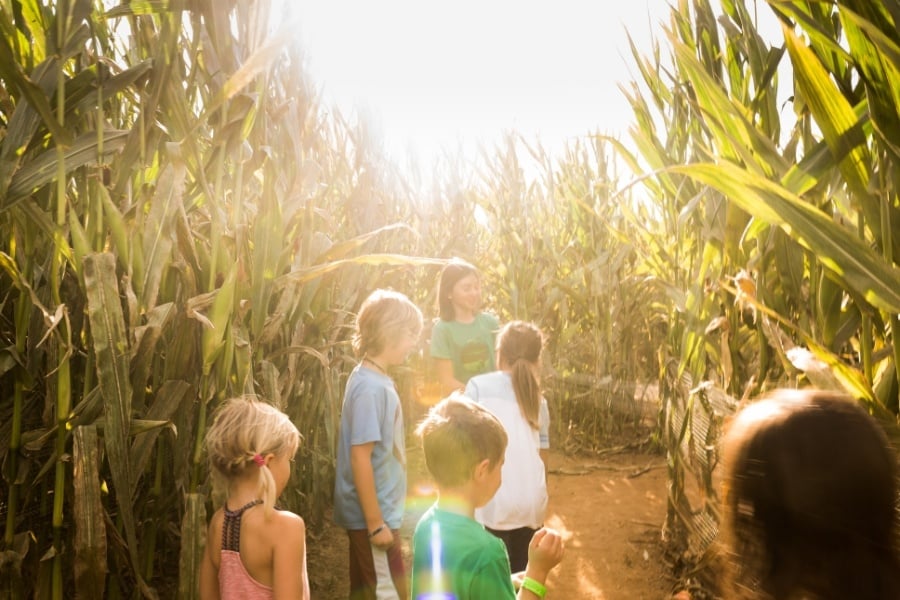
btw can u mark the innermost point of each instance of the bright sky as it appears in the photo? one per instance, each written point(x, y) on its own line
point(430, 75)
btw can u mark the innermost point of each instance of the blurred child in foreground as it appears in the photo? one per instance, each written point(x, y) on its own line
point(810, 498)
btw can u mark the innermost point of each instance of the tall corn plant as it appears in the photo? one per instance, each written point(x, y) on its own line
point(791, 253)
point(552, 243)
point(175, 230)
point(560, 244)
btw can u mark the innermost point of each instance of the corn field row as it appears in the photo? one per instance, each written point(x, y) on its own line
point(785, 269)
point(183, 221)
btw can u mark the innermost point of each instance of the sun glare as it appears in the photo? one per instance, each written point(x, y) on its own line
point(456, 75)
point(432, 79)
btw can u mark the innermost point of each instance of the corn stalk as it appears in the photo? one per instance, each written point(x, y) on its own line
point(794, 279)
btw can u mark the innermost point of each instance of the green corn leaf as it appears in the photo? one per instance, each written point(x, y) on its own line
point(842, 129)
point(220, 315)
point(138, 8)
point(42, 169)
point(193, 543)
point(158, 235)
point(110, 345)
point(11, 71)
point(839, 250)
point(309, 273)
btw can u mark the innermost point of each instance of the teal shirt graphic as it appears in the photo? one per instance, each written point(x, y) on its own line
point(469, 346)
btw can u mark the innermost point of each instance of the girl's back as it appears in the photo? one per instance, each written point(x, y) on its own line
point(521, 500)
point(249, 571)
point(513, 394)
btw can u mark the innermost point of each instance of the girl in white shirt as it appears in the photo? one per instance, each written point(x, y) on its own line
point(513, 394)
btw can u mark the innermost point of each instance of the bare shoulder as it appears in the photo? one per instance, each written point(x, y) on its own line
point(287, 530)
point(284, 521)
point(215, 523)
point(214, 536)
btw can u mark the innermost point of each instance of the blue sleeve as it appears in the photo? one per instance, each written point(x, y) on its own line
point(544, 424)
point(364, 408)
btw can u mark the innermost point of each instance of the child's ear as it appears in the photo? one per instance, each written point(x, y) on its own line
point(482, 469)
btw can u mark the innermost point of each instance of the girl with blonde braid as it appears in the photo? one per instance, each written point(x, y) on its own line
point(513, 394)
point(253, 550)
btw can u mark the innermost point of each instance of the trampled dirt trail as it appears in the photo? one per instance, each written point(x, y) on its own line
point(610, 511)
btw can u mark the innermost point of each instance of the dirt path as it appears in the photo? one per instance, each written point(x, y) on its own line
point(609, 510)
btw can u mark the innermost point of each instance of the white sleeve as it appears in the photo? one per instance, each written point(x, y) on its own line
point(544, 424)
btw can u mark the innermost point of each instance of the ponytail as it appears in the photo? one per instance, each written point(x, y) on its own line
point(519, 345)
point(528, 390)
point(266, 489)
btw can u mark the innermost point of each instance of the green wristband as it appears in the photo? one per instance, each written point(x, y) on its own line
point(538, 589)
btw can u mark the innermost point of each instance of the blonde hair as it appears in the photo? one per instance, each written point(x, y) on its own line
point(458, 434)
point(242, 429)
point(383, 316)
point(519, 345)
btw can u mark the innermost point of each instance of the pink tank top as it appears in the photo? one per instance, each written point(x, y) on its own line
point(234, 580)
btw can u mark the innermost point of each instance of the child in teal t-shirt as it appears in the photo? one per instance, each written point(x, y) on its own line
point(463, 339)
point(453, 555)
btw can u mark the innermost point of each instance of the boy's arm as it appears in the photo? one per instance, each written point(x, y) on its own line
point(544, 552)
point(364, 480)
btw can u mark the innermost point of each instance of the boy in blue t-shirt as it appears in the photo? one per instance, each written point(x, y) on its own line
point(453, 555)
point(370, 480)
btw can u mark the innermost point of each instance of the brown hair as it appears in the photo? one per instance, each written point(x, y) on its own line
point(243, 428)
point(457, 434)
point(809, 502)
point(453, 271)
point(383, 316)
point(519, 345)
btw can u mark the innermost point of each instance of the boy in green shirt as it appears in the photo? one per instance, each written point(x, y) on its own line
point(453, 556)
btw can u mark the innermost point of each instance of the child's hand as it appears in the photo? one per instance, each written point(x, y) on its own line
point(517, 578)
point(383, 540)
point(544, 552)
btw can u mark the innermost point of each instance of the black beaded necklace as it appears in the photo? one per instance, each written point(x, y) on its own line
point(376, 365)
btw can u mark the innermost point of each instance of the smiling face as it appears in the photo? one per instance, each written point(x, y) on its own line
point(466, 297)
point(397, 352)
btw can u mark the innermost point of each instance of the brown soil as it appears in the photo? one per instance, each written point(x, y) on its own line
point(609, 509)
